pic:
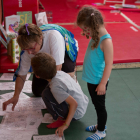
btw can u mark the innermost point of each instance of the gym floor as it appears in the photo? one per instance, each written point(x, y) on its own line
point(122, 103)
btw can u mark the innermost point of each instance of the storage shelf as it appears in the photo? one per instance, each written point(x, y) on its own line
point(6, 65)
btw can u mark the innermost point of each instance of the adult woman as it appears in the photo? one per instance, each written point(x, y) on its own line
point(50, 39)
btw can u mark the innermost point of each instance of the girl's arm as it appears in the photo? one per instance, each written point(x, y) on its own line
point(107, 48)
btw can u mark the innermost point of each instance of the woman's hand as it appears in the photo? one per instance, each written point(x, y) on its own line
point(13, 101)
point(59, 131)
point(101, 89)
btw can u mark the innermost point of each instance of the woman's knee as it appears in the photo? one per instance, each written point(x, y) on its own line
point(38, 85)
point(36, 92)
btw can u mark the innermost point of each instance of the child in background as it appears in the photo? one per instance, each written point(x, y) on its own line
point(64, 100)
point(97, 65)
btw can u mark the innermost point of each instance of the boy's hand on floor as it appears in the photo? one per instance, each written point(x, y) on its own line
point(59, 131)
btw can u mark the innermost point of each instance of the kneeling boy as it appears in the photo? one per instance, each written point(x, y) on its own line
point(63, 96)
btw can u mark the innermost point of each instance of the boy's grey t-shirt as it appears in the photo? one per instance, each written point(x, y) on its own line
point(63, 85)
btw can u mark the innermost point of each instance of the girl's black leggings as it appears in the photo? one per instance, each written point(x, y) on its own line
point(99, 104)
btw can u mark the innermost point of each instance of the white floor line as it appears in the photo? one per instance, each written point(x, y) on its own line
point(130, 21)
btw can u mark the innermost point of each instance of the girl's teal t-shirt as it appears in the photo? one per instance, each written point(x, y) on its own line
point(94, 63)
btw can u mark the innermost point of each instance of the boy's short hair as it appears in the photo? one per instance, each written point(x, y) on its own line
point(44, 65)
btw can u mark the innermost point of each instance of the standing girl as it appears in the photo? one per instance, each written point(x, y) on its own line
point(97, 65)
